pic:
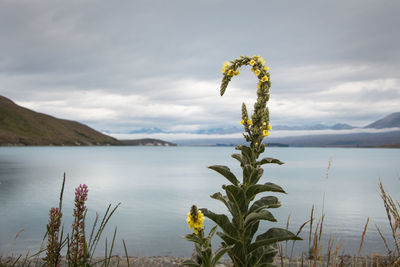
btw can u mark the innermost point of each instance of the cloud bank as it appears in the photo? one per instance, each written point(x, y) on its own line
point(121, 67)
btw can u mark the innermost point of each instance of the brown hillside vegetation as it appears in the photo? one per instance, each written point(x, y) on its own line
point(21, 126)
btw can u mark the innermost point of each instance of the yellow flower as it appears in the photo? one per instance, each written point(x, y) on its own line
point(252, 62)
point(226, 64)
point(236, 72)
point(264, 123)
point(266, 68)
point(269, 127)
point(265, 133)
point(195, 222)
point(257, 72)
point(256, 56)
point(261, 60)
point(264, 79)
point(242, 122)
point(249, 122)
point(231, 72)
point(223, 69)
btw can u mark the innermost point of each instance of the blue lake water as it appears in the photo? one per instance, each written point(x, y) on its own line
point(157, 185)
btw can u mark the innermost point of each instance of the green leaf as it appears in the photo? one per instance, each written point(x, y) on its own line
point(257, 216)
point(269, 202)
point(247, 171)
point(206, 255)
point(222, 221)
point(212, 232)
point(219, 253)
point(246, 151)
point(199, 253)
point(256, 175)
point(251, 175)
point(193, 238)
point(225, 200)
point(273, 235)
point(226, 172)
point(190, 263)
point(253, 190)
point(228, 240)
point(250, 232)
point(263, 256)
point(269, 161)
point(239, 158)
point(236, 196)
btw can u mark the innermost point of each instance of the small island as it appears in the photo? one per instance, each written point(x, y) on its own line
point(146, 142)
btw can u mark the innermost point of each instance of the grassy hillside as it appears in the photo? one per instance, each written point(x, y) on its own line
point(21, 126)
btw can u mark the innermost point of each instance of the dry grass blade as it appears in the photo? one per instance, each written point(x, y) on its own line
point(362, 241)
point(287, 228)
point(311, 223)
point(288, 222)
point(330, 245)
point(16, 261)
point(112, 246)
point(106, 218)
point(61, 193)
point(280, 250)
point(297, 234)
point(384, 240)
point(392, 214)
point(19, 232)
point(126, 252)
point(315, 247)
point(329, 167)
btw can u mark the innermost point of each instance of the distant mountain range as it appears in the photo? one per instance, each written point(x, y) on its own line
point(390, 138)
point(338, 126)
point(390, 121)
point(381, 139)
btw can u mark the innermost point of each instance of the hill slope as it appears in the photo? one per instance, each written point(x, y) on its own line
point(390, 121)
point(21, 126)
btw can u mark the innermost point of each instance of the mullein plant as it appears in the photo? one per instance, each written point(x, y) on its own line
point(204, 254)
point(240, 228)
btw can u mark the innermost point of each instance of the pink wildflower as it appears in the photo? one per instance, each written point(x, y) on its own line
point(53, 245)
point(78, 248)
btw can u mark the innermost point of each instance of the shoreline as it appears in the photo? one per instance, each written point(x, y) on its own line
point(172, 261)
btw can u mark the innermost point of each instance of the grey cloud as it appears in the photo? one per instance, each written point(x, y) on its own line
point(147, 47)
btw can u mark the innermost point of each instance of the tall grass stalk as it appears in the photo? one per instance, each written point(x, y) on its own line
point(392, 213)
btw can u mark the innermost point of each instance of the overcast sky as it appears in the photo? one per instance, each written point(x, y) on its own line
point(120, 66)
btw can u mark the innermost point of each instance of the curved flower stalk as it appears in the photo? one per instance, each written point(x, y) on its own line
point(202, 244)
point(238, 233)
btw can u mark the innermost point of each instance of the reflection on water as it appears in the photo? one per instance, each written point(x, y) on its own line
point(157, 186)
